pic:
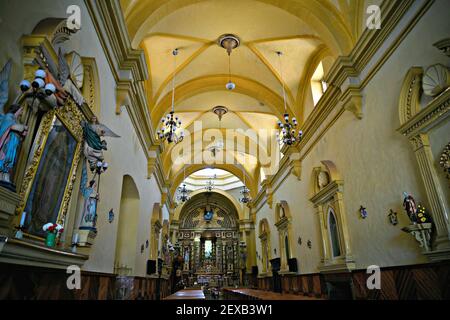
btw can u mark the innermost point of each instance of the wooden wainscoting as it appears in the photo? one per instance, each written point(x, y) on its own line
point(417, 282)
point(33, 283)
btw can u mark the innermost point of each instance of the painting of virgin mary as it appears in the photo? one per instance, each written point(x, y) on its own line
point(47, 192)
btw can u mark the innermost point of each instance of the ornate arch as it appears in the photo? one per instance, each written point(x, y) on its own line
point(328, 193)
point(409, 101)
point(283, 223)
point(233, 200)
point(178, 178)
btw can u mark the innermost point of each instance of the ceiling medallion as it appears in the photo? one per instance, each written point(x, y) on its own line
point(220, 111)
point(229, 42)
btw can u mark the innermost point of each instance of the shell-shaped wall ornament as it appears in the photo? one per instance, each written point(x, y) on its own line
point(435, 80)
point(76, 68)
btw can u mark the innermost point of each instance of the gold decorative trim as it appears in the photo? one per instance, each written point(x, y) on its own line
point(71, 116)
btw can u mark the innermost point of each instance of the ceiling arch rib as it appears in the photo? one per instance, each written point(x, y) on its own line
point(248, 145)
point(200, 85)
point(187, 170)
point(331, 24)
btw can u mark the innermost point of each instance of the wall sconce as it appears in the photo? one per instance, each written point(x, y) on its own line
point(111, 216)
point(275, 251)
point(146, 243)
point(142, 248)
point(309, 244)
point(363, 212)
point(393, 217)
point(299, 241)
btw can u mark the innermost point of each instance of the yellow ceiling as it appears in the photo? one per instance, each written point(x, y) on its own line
point(301, 29)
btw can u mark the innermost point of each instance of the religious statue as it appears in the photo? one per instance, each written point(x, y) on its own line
point(323, 179)
point(410, 207)
point(91, 197)
point(10, 130)
point(167, 249)
point(208, 214)
point(94, 145)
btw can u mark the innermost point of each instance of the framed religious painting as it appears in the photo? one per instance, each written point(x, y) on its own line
point(49, 178)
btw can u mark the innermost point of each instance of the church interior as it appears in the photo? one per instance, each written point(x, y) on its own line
point(224, 150)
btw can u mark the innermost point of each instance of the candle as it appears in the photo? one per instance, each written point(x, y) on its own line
point(75, 238)
point(22, 220)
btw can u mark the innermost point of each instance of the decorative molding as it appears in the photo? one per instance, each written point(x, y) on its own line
point(416, 123)
point(352, 101)
point(444, 160)
point(328, 195)
point(129, 70)
point(26, 252)
point(443, 46)
point(434, 113)
point(422, 233)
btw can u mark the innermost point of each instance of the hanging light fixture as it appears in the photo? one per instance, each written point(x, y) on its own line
point(287, 134)
point(171, 123)
point(183, 192)
point(245, 192)
point(215, 148)
point(229, 42)
point(210, 184)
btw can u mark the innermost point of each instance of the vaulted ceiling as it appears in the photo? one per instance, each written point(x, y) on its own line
point(305, 31)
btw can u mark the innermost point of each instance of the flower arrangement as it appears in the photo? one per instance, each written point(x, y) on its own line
point(422, 215)
point(52, 229)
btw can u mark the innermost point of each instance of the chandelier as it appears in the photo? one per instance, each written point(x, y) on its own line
point(183, 193)
point(245, 192)
point(229, 42)
point(287, 134)
point(171, 123)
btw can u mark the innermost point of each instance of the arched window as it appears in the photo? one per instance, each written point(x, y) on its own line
point(318, 84)
point(334, 234)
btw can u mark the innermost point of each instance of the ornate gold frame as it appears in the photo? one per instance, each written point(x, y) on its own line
point(71, 116)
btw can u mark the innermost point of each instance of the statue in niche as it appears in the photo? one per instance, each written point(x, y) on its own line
point(323, 179)
point(11, 131)
point(94, 145)
point(167, 249)
point(91, 197)
point(410, 207)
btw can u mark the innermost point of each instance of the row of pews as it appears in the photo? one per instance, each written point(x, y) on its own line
point(252, 294)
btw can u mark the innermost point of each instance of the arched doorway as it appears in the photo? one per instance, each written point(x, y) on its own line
point(126, 247)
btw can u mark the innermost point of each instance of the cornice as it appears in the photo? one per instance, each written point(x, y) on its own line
point(344, 78)
point(129, 70)
point(434, 113)
point(327, 192)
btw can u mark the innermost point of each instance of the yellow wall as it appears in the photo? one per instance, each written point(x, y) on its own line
point(125, 154)
point(376, 163)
